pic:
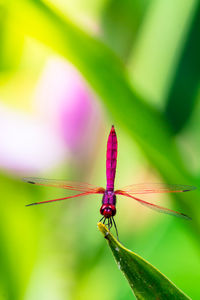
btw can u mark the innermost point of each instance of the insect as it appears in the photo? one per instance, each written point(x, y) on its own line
point(108, 207)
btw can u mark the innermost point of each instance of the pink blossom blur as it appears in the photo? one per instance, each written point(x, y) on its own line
point(65, 121)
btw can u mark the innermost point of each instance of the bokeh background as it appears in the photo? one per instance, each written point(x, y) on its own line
point(68, 71)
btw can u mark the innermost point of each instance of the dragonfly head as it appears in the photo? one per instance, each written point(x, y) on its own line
point(108, 210)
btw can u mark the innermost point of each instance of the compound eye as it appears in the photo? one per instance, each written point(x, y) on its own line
point(107, 212)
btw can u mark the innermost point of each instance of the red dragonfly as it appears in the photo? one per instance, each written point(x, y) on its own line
point(108, 207)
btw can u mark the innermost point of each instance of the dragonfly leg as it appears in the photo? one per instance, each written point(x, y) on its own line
point(115, 228)
point(101, 219)
point(109, 223)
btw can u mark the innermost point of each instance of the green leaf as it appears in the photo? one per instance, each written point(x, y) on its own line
point(144, 279)
point(121, 21)
point(158, 47)
point(183, 93)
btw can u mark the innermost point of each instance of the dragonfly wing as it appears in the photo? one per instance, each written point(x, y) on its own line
point(153, 188)
point(158, 208)
point(65, 198)
point(69, 185)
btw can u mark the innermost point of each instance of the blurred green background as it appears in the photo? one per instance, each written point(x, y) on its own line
point(68, 71)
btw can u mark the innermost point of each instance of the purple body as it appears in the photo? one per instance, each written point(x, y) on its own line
point(111, 159)
point(109, 198)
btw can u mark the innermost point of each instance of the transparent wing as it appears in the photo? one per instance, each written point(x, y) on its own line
point(151, 188)
point(157, 207)
point(65, 198)
point(69, 185)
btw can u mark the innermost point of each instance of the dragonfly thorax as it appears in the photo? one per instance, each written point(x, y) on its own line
point(108, 208)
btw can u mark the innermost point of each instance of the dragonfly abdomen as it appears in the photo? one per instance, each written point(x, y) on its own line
point(111, 159)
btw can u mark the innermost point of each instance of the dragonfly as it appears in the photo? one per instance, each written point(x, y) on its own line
point(108, 207)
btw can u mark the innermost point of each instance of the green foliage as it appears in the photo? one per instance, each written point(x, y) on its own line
point(18, 238)
point(144, 279)
point(11, 42)
point(184, 90)
point(120, 28)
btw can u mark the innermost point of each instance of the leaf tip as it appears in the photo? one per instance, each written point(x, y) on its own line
point(103, 229)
